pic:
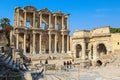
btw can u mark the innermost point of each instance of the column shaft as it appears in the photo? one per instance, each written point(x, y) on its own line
point(18, 19)
point(55, 21)
point(55, 49)
point(49, 21)
point(25, 19)
point(17, 42)
point(68, 43)
point(67, 24)
point(33, 43)
point(49, 43)
point(34, 19)
point(63, 43)
point(24, 43)
point(83, 50)
point(40, 44)
point(40, 20)
point(62, 22)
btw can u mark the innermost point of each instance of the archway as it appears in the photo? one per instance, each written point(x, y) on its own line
point(101, 49)
point(78, 50)
point(99, 63)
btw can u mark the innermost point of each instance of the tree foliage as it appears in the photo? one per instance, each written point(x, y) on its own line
point(6, 28)
point(114, 30)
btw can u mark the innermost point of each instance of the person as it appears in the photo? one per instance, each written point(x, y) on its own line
point(64, 65)
point(67, 64)
point(46, 62)
point(70, 64)
point(41, 62)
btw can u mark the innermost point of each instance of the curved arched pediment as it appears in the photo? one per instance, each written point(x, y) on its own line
point(29, 8)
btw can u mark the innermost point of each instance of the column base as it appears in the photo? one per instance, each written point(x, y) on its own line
point(40, 52)
point(62, 51)
point(55, 51)
point(50, 52)
point(34, 52)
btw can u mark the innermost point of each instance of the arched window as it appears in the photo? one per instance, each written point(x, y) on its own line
point(43, 25)
point(28, 24)
point(57, 27)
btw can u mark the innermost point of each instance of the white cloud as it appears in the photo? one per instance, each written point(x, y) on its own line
point(103, 10)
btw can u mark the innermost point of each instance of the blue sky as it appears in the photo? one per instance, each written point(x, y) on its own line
point(84, 14)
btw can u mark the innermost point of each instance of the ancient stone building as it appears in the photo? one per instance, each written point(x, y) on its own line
point(41, 31)
point(94, 44)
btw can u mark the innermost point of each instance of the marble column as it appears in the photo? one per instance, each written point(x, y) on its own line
point(40, 20)
point(24, 43)
point(49, 43)
point(67, 24)
point(40, 44)
point(17, 42)
point(83, 50)
point(67, 43)
point(49, 21)
point(55, 21)
point(18, 19)
point(63, 51)
point(62, 22)
point(34, 19)
point(25, 18)
point(55, 49)
point(33, 43)
point(94, 51)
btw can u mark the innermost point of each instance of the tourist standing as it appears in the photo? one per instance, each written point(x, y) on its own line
point(46, 62)
point(64, 65)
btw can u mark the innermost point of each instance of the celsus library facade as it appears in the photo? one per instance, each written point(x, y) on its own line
point(45, 32)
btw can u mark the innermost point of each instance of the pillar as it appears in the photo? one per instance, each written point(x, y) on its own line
point(49, 21)
point(49, 43)
point(55, 21)
point(40, 20)
point(67, 24)
point(62, 22)
point(34, 19)
point(18, 19)
point(40, 44)
point(24, 43)
point(63, 43)
point(83, 50)
point(33, 43)
point(25, 18)
point(55, 49)
point(17, 42)
point(67, 43)
point(94, 51)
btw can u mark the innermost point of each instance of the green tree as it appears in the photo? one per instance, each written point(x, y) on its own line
point(6, 27)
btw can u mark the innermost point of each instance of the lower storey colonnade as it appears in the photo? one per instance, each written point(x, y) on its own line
point(38, 43)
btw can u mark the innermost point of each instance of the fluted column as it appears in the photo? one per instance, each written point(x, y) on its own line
point(63, 51)
point(34, 19)
point(40, 20)
point(24, 43)
point(17, 42)
point(33, 43)
point(67, 43)
point(49, 43)
point(55, 49)
point(83, 50)
point(49, 21)
point(40, 44)
point(25, 18)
